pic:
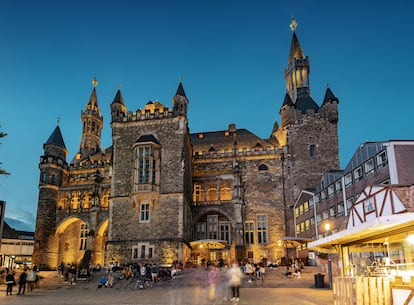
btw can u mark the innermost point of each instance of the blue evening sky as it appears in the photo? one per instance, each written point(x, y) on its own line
point(231, 55)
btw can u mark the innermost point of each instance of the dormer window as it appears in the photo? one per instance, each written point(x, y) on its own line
point(201, 136)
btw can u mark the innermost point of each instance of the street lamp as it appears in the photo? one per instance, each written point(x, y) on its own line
point(327, 228)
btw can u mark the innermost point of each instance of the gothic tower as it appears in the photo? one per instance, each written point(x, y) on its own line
point(92, 124)
point(53, 170)
point(309, 132)
point(150, 217)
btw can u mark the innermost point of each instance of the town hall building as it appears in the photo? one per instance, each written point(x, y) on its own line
point(161, 193)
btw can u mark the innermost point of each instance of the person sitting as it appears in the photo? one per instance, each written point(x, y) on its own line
point(110, 281)
point(287, 272)
point(102, 281)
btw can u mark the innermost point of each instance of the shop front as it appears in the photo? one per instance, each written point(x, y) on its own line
point(376, 251)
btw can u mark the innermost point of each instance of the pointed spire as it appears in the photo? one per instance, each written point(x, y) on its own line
point(118, 98)
point(93, 101)
point(287, 101)
point(56, 138)
point(329, 97)
point(295, 49)
point(180, 90)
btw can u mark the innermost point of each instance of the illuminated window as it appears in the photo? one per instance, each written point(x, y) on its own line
point(249, 232)
point(83, 236)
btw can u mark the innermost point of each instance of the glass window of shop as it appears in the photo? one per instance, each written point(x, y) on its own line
point(388, 255)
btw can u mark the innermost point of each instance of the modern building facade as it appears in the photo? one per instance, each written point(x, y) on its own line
point(324, 210)
point(161, 193)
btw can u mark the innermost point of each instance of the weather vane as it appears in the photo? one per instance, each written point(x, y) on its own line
point(293, 24)
point(94, 82)
point(58, 120)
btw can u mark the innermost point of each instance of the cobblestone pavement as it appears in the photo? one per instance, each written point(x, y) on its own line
point(189, 287)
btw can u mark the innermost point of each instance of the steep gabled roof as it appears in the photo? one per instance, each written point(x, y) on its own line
point(118, 98)
point(329, 97)
point(56, 138)
point(180, 90)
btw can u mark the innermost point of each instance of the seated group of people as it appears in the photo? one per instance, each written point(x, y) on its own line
point(106, 281)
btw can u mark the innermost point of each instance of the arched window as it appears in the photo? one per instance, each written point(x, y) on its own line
point(263, 167)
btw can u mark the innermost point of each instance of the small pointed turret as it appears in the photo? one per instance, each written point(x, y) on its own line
point(118, 109)
point(55, 146)
point(329, 108)
point(180, 101)
point(329, 97)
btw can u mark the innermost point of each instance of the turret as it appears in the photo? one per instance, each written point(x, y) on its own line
point(287, 111)
point(180, 101)
point(53, 169)
point(92, 124)
point(118, 109)
point(329, 109)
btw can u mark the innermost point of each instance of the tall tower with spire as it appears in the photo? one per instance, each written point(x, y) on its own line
point(92, 124)
point(309, 131)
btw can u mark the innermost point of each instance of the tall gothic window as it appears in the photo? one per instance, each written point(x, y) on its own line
point(249, 232)
point(261, 229)
point(146, 163)
point(83, 236)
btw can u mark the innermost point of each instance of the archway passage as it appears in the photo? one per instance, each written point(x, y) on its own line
point(75, 237)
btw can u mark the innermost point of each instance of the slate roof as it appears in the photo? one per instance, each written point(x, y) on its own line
point(118, 98)
point(56, 138)
point(329, 97)
point(304, 103)
point(223, 139)
point(147, 138)
point(180, 90)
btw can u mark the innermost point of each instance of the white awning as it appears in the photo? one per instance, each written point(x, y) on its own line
point(368, 229)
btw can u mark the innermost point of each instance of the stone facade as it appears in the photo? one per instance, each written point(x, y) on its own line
point(160, 193)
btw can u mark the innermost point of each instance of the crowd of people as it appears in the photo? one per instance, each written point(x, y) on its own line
point(28, 279)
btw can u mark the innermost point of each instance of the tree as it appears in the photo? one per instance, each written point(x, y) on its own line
point(3, 171)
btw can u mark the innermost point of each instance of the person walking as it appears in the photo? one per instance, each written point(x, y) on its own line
point(212, 281)
point(235, 275)
point(22, 282)
point(10, 282)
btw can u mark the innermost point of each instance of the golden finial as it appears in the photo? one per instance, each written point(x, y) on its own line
point(94, 82)
point(293, 24)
